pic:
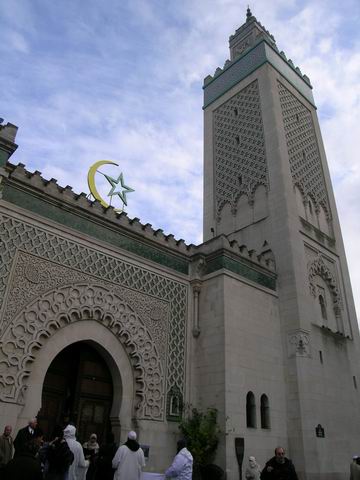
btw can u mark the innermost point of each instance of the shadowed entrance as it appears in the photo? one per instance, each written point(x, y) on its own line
point(78, 388)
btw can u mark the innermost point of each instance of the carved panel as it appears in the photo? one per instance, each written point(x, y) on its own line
point(303, 150)
point(299, 343)
point(239, 148)
point(318, 267)
point(62, 306)
point(171, 295)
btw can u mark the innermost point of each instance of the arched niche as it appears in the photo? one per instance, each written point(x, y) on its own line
point(324, 302)
point(260, 203)
point(322, 221)
point(300, 202)
point(226, 220)
point(311, 211)
point(244, 212)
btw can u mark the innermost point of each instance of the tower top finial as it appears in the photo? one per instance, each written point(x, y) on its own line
point(248, 13)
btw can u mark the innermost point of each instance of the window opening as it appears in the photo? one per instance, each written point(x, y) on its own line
point(250, 410)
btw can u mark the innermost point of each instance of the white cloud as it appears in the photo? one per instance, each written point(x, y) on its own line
point(124, 83)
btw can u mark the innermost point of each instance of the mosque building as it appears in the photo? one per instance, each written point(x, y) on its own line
point(114, 325)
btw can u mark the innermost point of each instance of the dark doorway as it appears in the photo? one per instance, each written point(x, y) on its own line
point(77, 389)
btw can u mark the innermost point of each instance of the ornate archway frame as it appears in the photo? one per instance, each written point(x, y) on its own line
point(36, 324)
point(318, 267)
point(106, 343)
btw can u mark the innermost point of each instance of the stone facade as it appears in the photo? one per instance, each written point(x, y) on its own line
point(258, 321)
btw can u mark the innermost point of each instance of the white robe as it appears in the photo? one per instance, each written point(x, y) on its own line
point(128, 464)
point(78, 469)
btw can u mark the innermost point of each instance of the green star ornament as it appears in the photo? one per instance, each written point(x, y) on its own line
point(122, 191)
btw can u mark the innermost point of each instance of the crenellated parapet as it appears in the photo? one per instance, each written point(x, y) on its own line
point(251, 46)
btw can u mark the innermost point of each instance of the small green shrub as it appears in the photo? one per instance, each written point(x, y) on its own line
point(201, 431)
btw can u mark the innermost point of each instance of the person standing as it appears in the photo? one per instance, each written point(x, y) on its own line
point(24, 436)
point(182, 466)
point(104, 470)
point(78, 468)
point(91, 449)
point(253, 470)
point(355, 468)
point(129, 460)
point(279, 467)
point(25, 465)
point(6, 447)
point(59, 456)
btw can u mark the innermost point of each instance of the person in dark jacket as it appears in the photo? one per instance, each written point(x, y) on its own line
point(104, 470)
point(279, 467)
point(24, 436)
point(25, 465)
point(59, 457)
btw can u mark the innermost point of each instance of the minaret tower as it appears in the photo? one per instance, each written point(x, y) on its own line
point(267, 186)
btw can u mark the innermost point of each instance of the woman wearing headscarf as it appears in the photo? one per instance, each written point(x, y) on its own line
point(91, 450)
point(253, 470)
point(78, 468)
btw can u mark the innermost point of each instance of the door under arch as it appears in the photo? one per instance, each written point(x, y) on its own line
point(78, 388)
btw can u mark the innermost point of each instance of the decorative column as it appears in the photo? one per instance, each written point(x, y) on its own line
point(196, 287)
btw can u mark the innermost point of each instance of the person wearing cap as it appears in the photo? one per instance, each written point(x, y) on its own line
point(253, 470)
point(129, 460)
point(182, 466)
point(355, 468)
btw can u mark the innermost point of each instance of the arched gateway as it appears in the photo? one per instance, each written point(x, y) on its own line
point(90, 313)
point(78, 388)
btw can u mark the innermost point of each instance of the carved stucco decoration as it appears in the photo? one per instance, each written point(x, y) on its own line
point(304, 156)
point(318, 267)
point(239, 149)
point(140, 284)
point(32, 276)
point(299, 343)
point(62, 306)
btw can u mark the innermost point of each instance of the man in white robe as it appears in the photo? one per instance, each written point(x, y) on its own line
point(78, 469)
point(129, 460)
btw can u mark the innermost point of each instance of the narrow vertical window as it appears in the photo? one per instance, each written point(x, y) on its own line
point(237, 140)
point(236, 112)
point(264, 411)
point(355, 382)
point(323, 307)
point(321, 357)
point(250, 410)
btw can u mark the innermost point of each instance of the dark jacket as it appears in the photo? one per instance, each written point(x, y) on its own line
point(22, 439)
point(280, 471)
point(24, 467)
point(104, 470)
point(59, 458)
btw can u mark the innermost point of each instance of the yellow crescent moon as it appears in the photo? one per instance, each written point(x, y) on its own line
point(91, 180)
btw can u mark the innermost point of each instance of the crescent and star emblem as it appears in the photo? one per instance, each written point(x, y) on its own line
point(118, 186)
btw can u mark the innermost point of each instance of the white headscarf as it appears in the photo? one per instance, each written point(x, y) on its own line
point(77, 470)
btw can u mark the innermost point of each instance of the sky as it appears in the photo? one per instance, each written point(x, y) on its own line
point(122, 80)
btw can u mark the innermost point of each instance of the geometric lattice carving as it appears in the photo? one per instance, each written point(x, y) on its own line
point(60, 307)
point(32, 276)
point(319, 267)
point(305, 164)
point(239, 148)
point(16, 234)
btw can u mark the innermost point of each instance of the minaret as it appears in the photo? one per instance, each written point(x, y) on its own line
point(267, 185)
point(7, 139)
